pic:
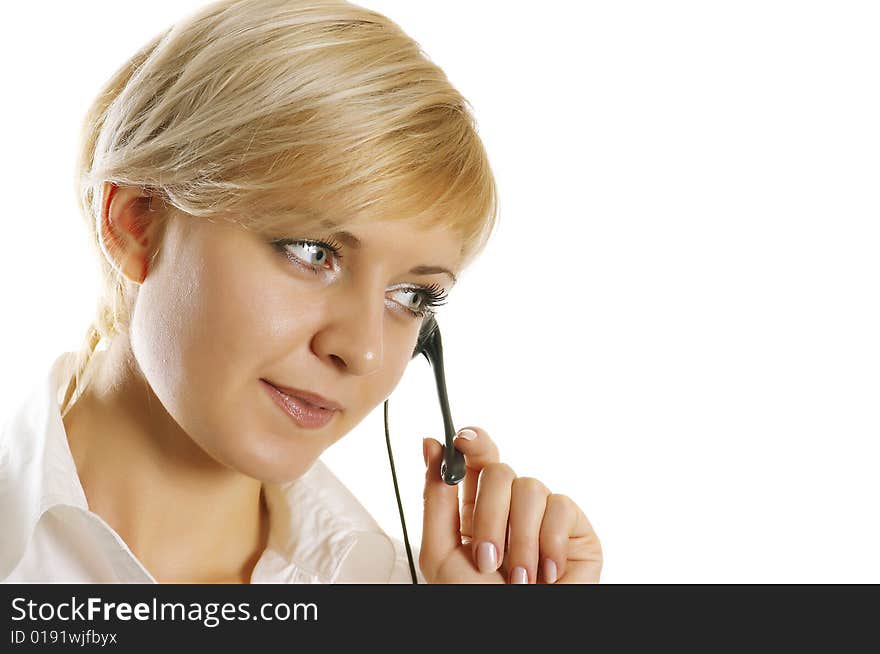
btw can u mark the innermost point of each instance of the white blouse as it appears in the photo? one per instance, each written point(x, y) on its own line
point(318, 531)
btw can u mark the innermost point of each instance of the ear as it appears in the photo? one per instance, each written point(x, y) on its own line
point(128, 229)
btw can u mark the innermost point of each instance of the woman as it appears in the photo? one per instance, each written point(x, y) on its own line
point(279, 193)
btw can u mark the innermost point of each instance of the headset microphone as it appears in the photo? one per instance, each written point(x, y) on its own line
point(453, 468)
point(430, 344)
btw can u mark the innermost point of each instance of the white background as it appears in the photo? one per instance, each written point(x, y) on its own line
point(677, 321)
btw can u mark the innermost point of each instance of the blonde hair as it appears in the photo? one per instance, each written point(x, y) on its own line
point(271, 113)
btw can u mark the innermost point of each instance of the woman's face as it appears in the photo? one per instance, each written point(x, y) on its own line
point(222, 309)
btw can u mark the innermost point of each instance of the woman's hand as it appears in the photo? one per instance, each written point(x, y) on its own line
point(542, 533)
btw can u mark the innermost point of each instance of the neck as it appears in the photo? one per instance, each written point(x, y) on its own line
point(186, 516)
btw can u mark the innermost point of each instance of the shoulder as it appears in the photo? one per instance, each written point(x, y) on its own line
point(319, 526)
point(377, 558)
point(372, 556)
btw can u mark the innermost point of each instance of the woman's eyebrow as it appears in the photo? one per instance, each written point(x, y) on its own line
point(349, 239)
point(354, 242)
point(432, 270)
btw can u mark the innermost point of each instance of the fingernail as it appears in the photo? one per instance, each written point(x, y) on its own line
point(425, 450)
point(519, 576)
point(487, 559)
point(467, 434)
point(549, 571)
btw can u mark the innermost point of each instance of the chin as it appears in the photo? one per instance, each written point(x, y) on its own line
point(272, 457)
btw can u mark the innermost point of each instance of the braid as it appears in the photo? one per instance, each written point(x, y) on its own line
point(84, 356)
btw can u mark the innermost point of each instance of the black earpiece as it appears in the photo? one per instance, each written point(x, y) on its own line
point(429, 343)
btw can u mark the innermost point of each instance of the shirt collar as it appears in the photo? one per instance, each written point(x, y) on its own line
point(315, 521)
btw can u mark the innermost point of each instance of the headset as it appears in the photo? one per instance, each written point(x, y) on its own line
point(453, 468)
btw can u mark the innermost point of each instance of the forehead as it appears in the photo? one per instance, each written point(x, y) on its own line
point(405, 237)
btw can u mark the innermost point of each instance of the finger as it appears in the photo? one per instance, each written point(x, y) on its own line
point(491, 512)
point(557, 527)
point(478, 452)
point(528, 502)
point(441, 523)
point(584, 561)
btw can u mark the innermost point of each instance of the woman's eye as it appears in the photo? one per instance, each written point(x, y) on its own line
point(419, 302)
point(312, 255)
point(411, 299)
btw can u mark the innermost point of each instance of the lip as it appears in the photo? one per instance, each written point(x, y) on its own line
point(299, 408)
point(312, 398)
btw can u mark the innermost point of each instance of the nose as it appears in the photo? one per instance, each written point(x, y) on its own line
point(351, 337)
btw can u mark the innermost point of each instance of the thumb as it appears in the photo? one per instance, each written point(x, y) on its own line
point(441, 526)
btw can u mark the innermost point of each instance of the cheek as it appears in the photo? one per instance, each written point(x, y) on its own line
point(371, 393)
point(198, 329)
point(202, 335)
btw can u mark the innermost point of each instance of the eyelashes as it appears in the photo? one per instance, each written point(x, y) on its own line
point(430, 297)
